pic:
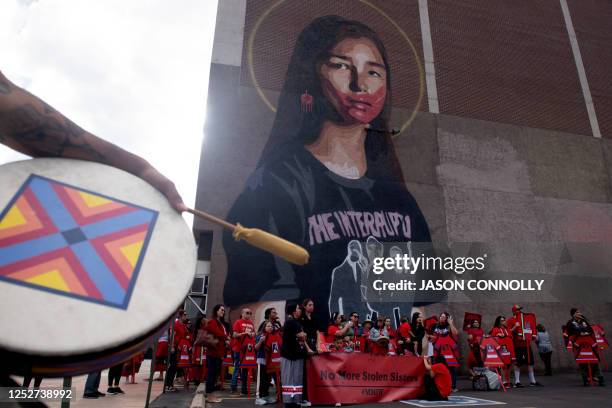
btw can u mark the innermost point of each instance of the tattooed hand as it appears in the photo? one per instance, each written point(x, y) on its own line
point(30, 126)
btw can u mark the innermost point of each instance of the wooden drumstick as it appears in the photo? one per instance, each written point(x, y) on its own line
point(261, 239)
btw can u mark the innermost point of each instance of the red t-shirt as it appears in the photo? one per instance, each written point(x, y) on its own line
point(273, 345)
point(518, 332)
point(180, 332)
point(442, 378)
point(404, 330)
point(241, 326)
point(476, 335)
point(498, 331)
point(331, 333)
point(217, 329)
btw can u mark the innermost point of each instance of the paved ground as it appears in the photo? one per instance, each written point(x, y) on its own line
point(134, 397)
point(559, 391)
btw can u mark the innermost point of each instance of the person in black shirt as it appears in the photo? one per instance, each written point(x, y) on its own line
point(294, 350)
point(328, 179)
point(308, 322)
point(310, 327)
point(417, 334)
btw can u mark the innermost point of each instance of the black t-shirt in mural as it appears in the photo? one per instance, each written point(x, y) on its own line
point(341, 222)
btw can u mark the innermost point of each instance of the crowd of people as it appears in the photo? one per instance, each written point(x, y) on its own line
point(274, 352)
point(277, 352)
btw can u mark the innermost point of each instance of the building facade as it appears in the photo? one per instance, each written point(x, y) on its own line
point(504, 113)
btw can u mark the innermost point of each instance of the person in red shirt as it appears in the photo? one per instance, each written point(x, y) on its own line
point(198, 353)
point(437, 380)
point(241, 329)
point(336, 329)
point(215, 353)
point(445, 336)
point(390, 329)
point(475, 334)
point(404, 332)
point(181, 332)
point(522, 348)
point(268, 347)
point(500, 331)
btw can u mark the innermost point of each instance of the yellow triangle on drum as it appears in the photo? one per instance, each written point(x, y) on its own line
point(93, 200)
point(13, 218)
point(132, 252)
point(52, 279)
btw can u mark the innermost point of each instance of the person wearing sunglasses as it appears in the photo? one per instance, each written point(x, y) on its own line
point(241, 329)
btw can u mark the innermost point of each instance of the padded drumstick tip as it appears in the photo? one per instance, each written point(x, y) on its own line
point(271, 243)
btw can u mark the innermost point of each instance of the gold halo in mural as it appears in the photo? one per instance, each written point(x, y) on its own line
point(273, 6)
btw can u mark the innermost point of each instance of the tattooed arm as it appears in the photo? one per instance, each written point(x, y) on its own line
point(30, 126)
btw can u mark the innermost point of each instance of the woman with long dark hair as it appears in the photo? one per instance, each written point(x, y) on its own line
point(445, 343)
point(214, 353)
point(501, 331)
point(417, 334)
point(328, 176)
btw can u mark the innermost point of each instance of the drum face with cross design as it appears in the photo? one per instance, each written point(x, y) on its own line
point(93, 264)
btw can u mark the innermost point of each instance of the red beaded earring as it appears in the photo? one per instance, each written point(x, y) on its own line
point(307, 101)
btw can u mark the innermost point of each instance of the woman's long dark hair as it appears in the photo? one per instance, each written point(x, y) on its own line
point(415, 318)
point(292, 126)
point(332, 319)
point(498, 321)
point(214, 312)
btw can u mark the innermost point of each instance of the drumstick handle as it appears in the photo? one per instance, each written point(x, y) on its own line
point(212, 219)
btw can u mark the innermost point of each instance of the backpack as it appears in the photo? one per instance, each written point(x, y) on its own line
point(479, 381)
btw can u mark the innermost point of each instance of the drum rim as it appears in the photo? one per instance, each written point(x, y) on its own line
point(67, 357)
point(15, 363)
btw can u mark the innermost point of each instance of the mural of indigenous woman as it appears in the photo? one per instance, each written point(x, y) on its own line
point(328, 179)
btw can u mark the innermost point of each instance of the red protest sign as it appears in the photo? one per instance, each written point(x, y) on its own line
point(359, 378)
point(506, 349)
point(600, 336)
point(468, 319)
point(529, 326)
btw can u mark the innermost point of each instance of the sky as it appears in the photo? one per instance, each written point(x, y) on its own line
point(132, 72)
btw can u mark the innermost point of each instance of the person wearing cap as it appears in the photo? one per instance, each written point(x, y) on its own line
point(576, 327)
point(522, 348)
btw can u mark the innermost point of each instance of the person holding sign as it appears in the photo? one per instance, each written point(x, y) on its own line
point(522, 326)
point(475, 335)
point(582, 338)
point(243, 330)
point(503, 336)
point(445, 343)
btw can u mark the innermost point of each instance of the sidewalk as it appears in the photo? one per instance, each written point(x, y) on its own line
point(134, 397)
point(559, 391)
